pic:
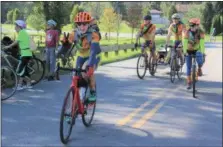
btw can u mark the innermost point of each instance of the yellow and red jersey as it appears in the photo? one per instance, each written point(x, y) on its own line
point(177, 30)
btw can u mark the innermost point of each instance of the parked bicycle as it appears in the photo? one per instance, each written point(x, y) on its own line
point(36, 67)
point(75, 103)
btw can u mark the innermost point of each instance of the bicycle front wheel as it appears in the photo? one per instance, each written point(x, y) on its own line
point(9, 82)
point(68, 116)
point(88, 115)
point(172, 69)
point(141, 66)
point(194, 81)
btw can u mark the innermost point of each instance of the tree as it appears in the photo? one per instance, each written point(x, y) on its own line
point(16, 14)
point(37, 19)
point(74, 13)
point(135, 16)
point(217, 24)
point(10, 16)
point(172, 10)
point(108, 20)
point(164, 6)
point(58, 11)
point(146, 7)
point(208, 14)
point(194, 11)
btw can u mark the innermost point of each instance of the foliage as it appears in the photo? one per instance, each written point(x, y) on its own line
point(146, 7)
point(217, 24)
point(208, 14)
point(108, 20)
point(135, 15)
point(37, 19)
point(16, 14)
point(172, 9)
point(9, 16)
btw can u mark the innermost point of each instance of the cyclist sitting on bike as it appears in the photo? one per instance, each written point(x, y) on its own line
point(177, 28)
point(86, 41)
point(193, 41)
point(23, 40)
point(147, 31)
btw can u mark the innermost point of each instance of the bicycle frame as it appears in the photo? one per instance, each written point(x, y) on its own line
point(76, 97)
point(5, 57)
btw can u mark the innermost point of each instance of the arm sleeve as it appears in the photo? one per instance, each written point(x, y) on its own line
point(94, 49)
point(185, 42)
point(202, 42)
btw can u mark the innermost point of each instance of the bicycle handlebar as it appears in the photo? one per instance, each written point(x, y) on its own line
point(58, 68)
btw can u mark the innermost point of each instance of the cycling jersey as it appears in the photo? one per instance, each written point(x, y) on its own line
point(148, 32)
point(177, 30)
point(193, 40)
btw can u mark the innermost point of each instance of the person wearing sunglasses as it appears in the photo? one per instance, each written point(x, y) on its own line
point(176, 28)
point(193, 41)
point(86, 41)
point(147, 31)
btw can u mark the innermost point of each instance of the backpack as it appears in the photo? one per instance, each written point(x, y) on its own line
point(32, 44)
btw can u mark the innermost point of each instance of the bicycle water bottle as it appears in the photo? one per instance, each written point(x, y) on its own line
point(82, 93)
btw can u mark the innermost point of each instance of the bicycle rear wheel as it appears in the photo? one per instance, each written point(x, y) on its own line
point(9, 82)
point(88, 115)
point(68, 116)
point(172, 69)
point(36, 69)
point(141, 66)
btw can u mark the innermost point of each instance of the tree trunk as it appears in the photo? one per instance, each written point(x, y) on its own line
point(132, 33)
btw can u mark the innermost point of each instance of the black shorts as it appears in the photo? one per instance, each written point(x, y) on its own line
point(22, 68)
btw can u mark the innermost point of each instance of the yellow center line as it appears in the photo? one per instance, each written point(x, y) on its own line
point(131, 115)
point(148, 115)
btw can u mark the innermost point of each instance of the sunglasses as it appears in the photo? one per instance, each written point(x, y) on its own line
point(81, 23)
point(192, 25)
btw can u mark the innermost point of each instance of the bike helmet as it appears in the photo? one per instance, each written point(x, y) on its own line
point(83, 17)
point(21, 23)
point(148, 17)
point(176, 16)
point(51, 23)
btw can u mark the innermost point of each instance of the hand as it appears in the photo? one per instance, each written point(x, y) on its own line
point(90, 71)
point(166, 46)
point(136, 45)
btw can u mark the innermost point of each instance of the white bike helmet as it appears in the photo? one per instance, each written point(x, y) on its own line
point(21, 23)
point(51, 22)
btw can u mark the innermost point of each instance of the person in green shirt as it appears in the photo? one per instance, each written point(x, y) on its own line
point(23, 40)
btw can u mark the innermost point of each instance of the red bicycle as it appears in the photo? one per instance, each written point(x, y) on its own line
point(75, 103)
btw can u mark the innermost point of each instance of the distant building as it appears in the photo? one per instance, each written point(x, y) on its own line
point(157, 17)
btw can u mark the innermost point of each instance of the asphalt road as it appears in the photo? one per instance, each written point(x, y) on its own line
point(130, 111)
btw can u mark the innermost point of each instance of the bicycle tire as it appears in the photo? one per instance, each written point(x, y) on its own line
point(64, 139)
point(194, 81)
point(40, 72)
point(180, 71)
point(84, 120)
point(15, 79)
point(138, 66)
point(152, 67)
point(172, 69)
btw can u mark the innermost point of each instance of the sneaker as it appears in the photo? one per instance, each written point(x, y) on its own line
point(188, 86)
point(50, 78)
point(92, 97)
point(19, 87)
point(29, 86)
